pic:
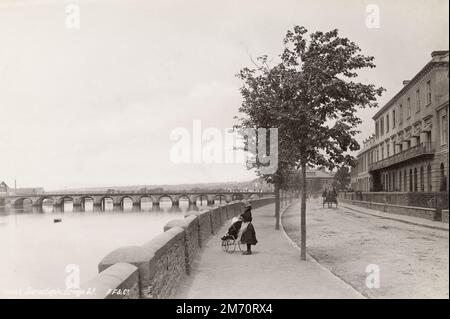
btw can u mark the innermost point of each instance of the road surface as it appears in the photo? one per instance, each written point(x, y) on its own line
point(413, 261)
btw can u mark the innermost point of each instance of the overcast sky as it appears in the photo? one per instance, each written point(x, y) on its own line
point(95, 106)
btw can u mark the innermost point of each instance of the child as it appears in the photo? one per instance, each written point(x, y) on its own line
point(233, 231)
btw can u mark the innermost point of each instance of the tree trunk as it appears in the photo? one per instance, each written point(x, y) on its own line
point(277, 205)
point(303, 214)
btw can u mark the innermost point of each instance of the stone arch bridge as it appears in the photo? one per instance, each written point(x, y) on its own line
point(98, 199)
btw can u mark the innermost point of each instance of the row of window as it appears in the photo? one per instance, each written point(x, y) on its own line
point(384, 124)
point(384, 150)
point(413, 180)
point(387, 148)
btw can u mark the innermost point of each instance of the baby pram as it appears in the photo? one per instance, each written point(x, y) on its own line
point(232, 237)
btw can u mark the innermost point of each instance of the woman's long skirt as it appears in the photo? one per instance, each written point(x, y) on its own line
point(248, 235)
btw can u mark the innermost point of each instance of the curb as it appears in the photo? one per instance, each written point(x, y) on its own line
point(308, 256)
point(393, 218)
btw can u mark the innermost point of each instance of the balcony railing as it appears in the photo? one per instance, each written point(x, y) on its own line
point(412, 152)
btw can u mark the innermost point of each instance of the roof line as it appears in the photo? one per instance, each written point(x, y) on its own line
point(413, 81)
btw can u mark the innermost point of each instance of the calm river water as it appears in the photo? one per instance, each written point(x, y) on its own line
point(35, 251)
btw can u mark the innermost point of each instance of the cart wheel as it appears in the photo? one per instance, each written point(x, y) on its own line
point(225, 245)
point(231, 245)
point(228, 245)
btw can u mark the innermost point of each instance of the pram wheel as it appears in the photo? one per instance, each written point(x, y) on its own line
point(228, 245)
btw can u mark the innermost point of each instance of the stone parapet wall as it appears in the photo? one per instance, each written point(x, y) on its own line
point(155, 269)
point(437, 200)
point(120, 281)
point(422, 212)
point(445, 216)
point(215, 220)
point(190, 225)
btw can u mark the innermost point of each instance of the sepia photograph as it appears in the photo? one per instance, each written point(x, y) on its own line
point(224, 156)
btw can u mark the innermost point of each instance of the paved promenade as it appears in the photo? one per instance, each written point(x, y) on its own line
point(274, 270)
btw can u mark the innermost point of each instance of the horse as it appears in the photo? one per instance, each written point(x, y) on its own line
point(330, 198)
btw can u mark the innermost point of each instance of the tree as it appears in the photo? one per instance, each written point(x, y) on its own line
point(342, 178)
point(279, 178)
point(310, 96)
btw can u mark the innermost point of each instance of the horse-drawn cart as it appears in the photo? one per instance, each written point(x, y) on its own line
point(329, 198)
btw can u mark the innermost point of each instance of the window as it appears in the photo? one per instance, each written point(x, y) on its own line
point(400, 114)
point(376, 129)
point(408, 107)
point(444, 130)
point(428, 92)
point(415, 179)
point(387, 148)
point(393, 118)
point(405, 181)
point(382, 126)
point(429, 177)
point(410, 180)
point(443, 182)
point(418, 100)
point(422, 182)
point(387, 123)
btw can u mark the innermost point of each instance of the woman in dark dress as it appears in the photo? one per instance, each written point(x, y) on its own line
point(248, 231)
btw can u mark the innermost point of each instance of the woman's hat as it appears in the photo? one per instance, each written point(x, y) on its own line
point(247, 204)
point(235, 219)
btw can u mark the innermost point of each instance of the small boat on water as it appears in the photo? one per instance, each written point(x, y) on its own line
point(57, 220)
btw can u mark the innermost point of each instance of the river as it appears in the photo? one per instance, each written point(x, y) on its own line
point(40, 247)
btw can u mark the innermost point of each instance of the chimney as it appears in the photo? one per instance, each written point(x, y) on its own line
point(405, 82)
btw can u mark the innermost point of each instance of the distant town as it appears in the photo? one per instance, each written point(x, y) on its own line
point(318, 179)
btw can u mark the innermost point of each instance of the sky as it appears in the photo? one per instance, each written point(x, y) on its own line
point(94, 104)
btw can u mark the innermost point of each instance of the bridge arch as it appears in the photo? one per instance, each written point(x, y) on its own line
point(220, 198)
point(202, 198)
point(62, 199)
point(19, 202)
point(185, 197)
point(125, 198)
point(40, 201)
point(103, 200)
point(84, 199)
point(237, 196)
point(145, 202)
point(159, 200)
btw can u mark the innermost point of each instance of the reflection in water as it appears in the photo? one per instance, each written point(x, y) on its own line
point(35, 250)
point(107, 205)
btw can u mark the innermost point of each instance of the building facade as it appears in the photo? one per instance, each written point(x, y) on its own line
point(361, 180)
point(319, 180)
point(4, 189)
point(409, 150)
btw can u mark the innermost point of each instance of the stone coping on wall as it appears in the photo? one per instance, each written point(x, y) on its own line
point(120, 281)
point(421, 212)
point(392, 205)
point(154, 269)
